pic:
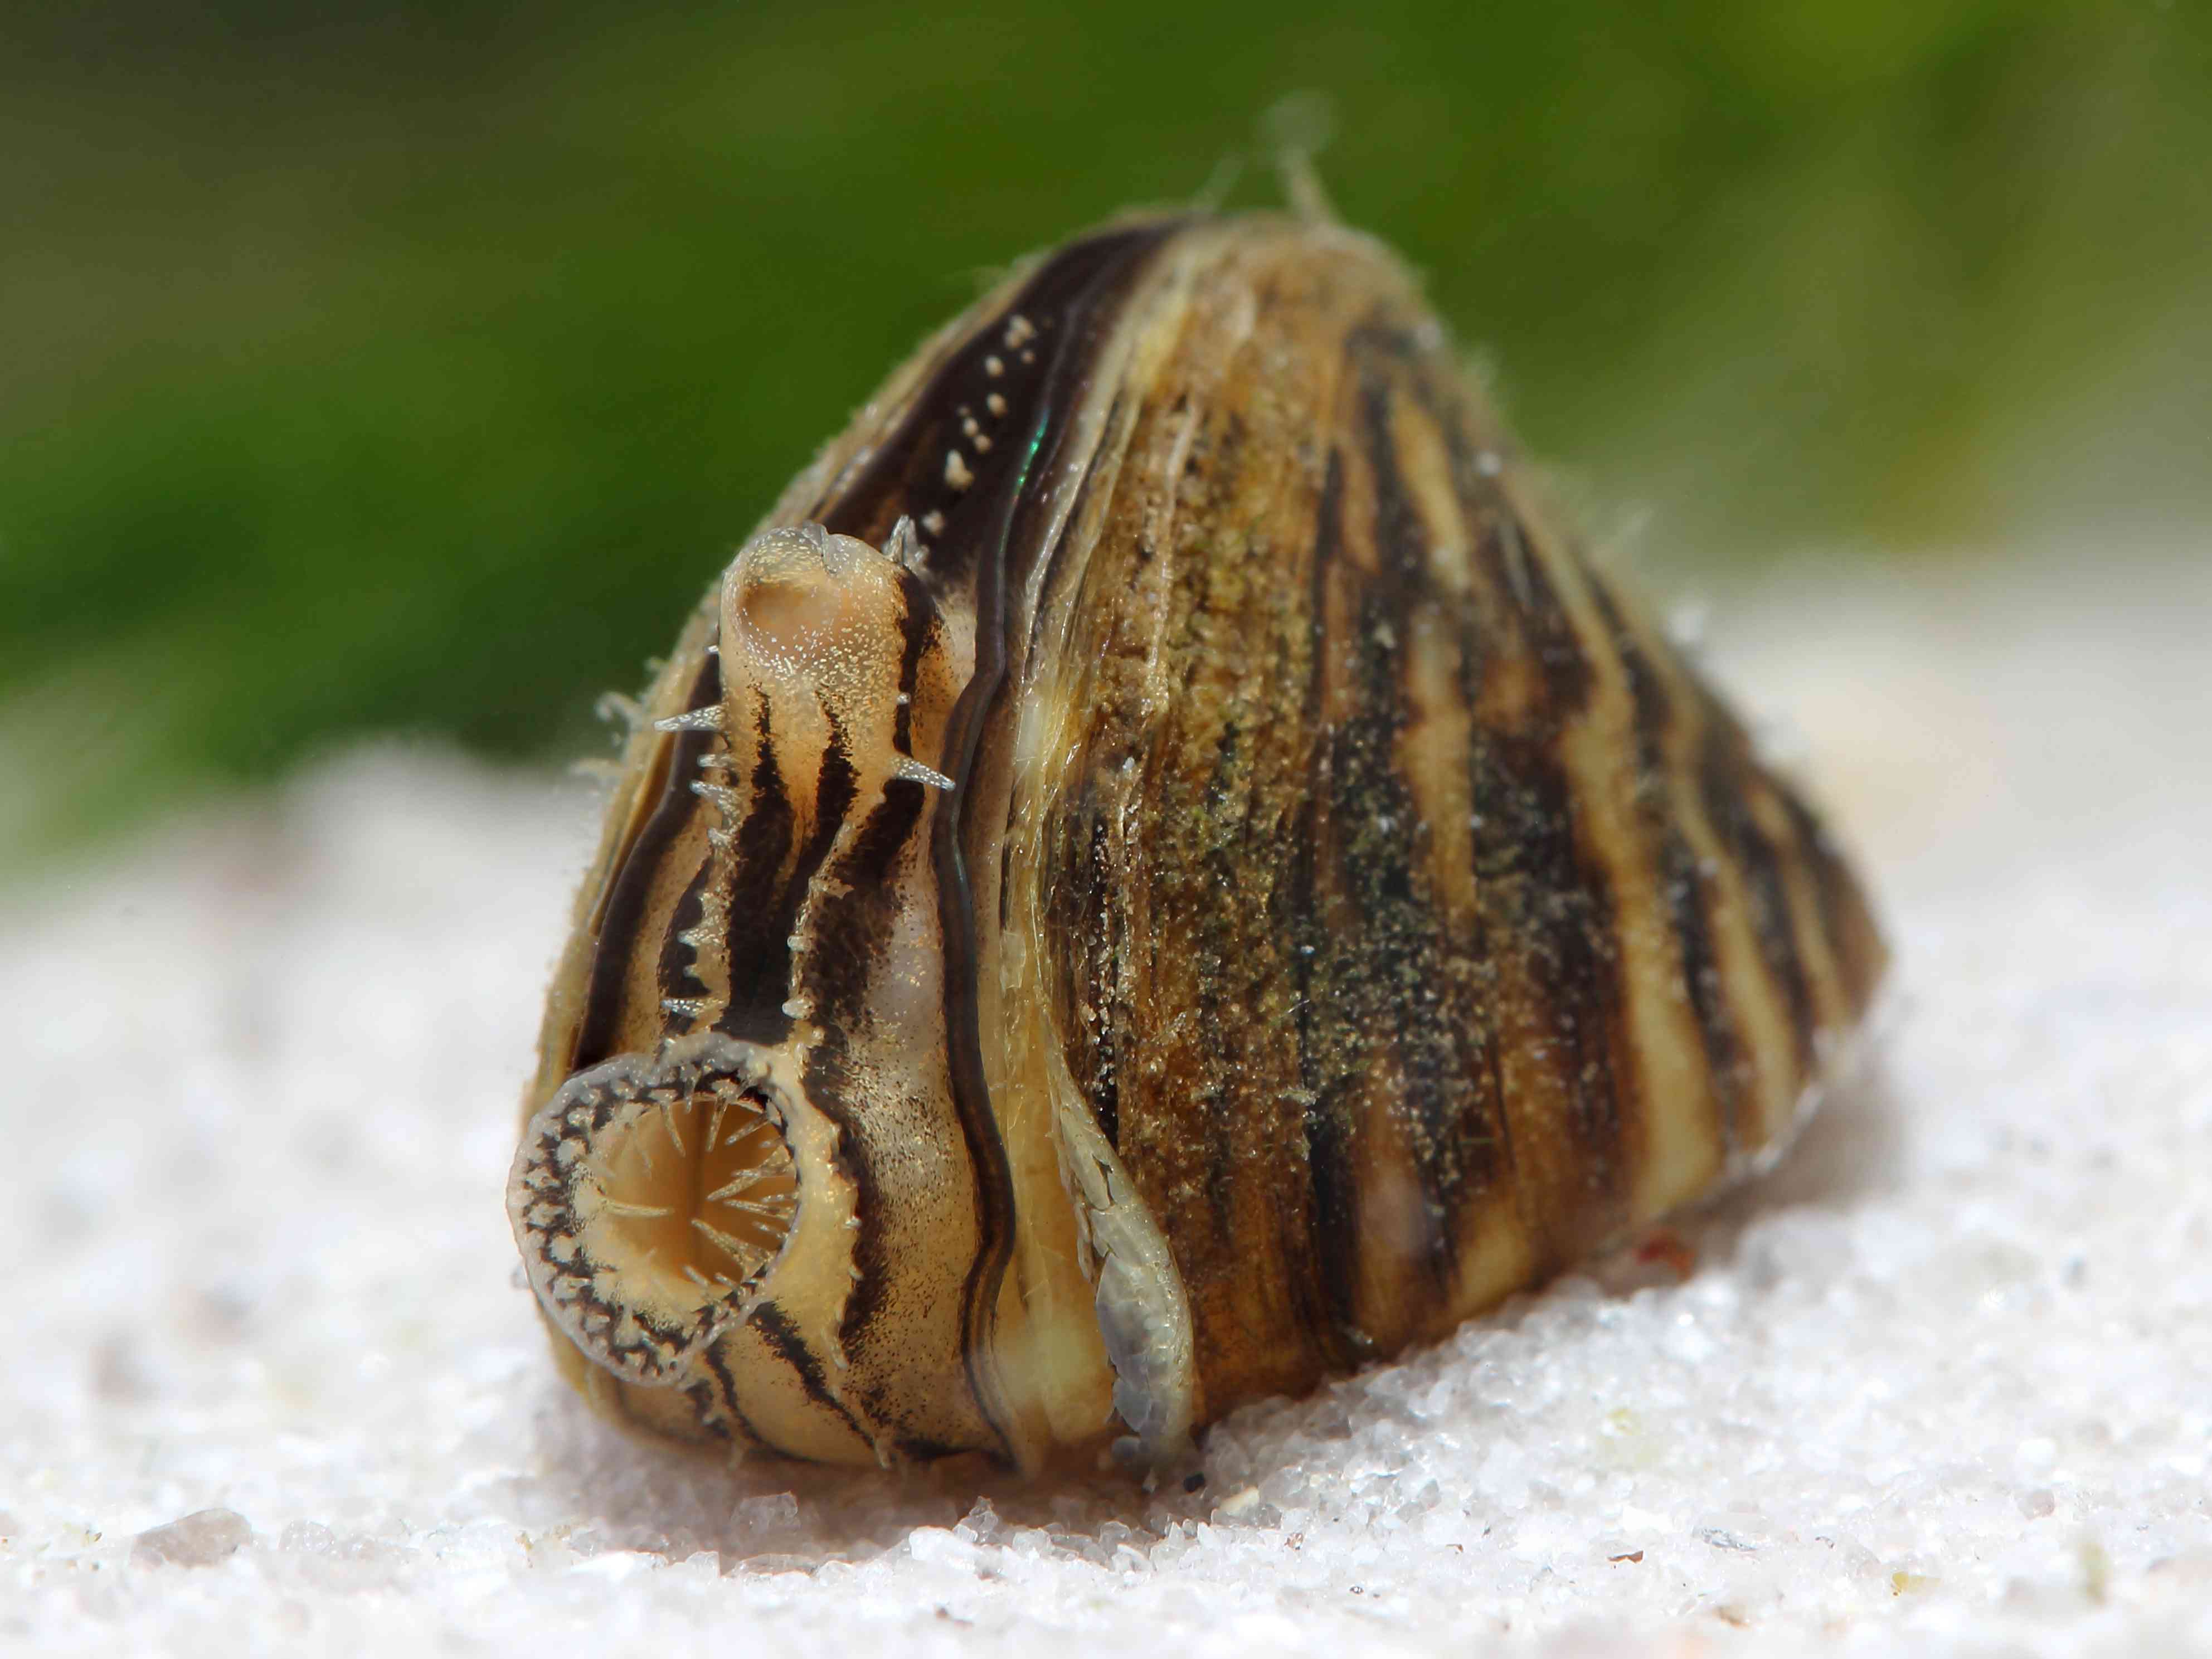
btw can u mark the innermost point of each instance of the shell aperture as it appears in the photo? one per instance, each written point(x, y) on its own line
point(1209, 882)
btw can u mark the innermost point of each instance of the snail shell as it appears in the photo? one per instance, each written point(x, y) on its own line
point(1164, 873)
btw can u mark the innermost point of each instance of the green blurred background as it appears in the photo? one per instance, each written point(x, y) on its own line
point(374, 368)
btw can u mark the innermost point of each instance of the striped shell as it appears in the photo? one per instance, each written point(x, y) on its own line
point(1163, 875)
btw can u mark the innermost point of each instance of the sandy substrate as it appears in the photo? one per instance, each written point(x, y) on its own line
point(1943, 1383)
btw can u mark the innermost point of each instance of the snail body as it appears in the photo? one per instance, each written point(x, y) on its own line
point(1163, 874)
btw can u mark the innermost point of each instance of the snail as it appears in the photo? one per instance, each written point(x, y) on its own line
point(1162, 874)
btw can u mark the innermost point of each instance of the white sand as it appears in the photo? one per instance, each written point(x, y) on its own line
point(1942, 1384)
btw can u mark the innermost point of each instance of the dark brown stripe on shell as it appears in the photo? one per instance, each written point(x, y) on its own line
point(1332, 1215)
point(1212, 940)
point(733, 1422)
point(855, 914)
point(1725, 771)
point(756, 998)
point(607, 980)
point(1845, 914)
point(1550, 909)
point(918, 627)
point(1547, 901)
point(970, 517)
point(1546, 633)
point(710, 1412)
point(1068, 304)
point(1082, 918)
point(829, 1086)
point(1687, 893)
point(783, 1336)
point(1441, 1041)
point(906, 473)
point(756, 949)
point(851, 930)
point(677, 977)
point(1557, 999)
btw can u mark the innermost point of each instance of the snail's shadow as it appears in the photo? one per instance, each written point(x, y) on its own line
point(1850, 1153)
point(776, 1516)
point(771, 1515)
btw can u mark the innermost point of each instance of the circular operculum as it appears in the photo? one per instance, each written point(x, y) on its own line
point(651, 1198)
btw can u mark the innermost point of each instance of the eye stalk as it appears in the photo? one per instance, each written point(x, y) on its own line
point(652, 1198)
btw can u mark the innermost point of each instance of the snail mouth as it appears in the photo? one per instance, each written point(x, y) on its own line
point(701, 1183)
point(651, 1198)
